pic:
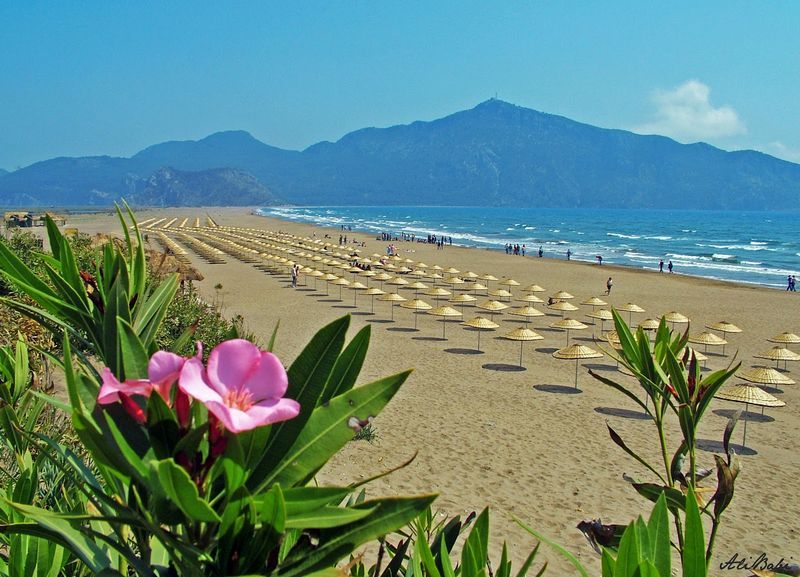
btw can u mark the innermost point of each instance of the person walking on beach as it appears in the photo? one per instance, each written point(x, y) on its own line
point(295, 271)
point(569, 254)
point(661, 265)
point(669, 267)
point(609, 285)
point(541, 252)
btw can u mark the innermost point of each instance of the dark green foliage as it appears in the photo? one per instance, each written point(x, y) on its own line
point(204, 320)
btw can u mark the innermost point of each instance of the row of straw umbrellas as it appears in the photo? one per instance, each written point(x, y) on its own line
point(249, 244)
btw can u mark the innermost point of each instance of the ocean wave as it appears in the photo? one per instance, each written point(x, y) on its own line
point(725, 257)
point(658, 237)
point(620, 235)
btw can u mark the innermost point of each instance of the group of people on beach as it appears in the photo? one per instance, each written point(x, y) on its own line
point(661, 266)
point(515, 249)
point(791, 283)
point(439, 240)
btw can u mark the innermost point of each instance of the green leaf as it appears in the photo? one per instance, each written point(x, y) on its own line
point(307, 378)
point(423, 551)
point(646, 569)
point(675, 499)
point(608, 563)
point(327, 431)
point(387, 516)
point(694, 555)
point(134, 355)
point(658, 530)
point(326, 517)
point(629, 554)
point(150, 313)
point(621, 444)
point(622, 389)
point(475, 553)
point(558, 548)
point(58, 529)
point(272, 337)
point(301, 500)
point(180, 488)
point(348, 366)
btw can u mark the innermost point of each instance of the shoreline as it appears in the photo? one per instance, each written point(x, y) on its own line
point(614, 267)
point(532, 253)
point(524, 442)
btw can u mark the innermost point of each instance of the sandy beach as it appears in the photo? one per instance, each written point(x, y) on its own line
point(525, 442)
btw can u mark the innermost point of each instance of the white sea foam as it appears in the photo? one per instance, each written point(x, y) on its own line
point(620, 235)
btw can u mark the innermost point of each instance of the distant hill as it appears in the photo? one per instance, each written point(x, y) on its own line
point(170, 187)
point(496, 154)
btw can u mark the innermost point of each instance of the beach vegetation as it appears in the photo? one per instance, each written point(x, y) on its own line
point(189, 467)
point(669, 381)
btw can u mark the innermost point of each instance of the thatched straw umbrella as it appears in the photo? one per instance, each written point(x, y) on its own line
point(577, 353)
point(779, 354)
point(416, 305)
point(569, 324)
point(444, 312)
point(523, 334)
point(481, 324)
point(373, 292)
point(724, 327)
point(630, 308)
point(562, 306)
point(707, 339)
point(527, 313)
point(392, 298)
point(492, 307)
point(594, 302)
point(749, 395)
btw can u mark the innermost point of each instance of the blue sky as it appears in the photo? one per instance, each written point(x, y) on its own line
point(97, 77)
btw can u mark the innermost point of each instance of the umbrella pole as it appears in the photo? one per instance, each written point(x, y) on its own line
point(355, 298)
point(479, 340)
point(576, 373)
point(520, 353)
point(744, 435)
point(444, 327)
point(415, 320)
point(372, 305)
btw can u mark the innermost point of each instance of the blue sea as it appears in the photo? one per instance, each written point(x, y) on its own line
point(752, 247)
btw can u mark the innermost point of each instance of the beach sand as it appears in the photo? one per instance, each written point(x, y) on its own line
point(520, 441)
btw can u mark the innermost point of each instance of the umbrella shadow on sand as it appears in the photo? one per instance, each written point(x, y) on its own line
point(599, 367)
point(546, 350)
point(428, 338)
point(624, 413)
point(503, 367)
point(712, 446)
point(557, 389)
point(381, 321)
point(750, 416)
point(403, 329)
point(463, 351)
point(344, 307)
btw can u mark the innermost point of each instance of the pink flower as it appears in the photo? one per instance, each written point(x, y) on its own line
point(163, 371)
point(242, 386)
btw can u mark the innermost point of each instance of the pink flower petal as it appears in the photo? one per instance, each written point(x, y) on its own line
point(237, 421)
point(164, 369)
point(193, 382)
point(109, 391)
point(268, 380)
point(230, 363)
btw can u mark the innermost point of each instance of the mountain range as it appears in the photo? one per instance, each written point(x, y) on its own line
point(495, 154)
